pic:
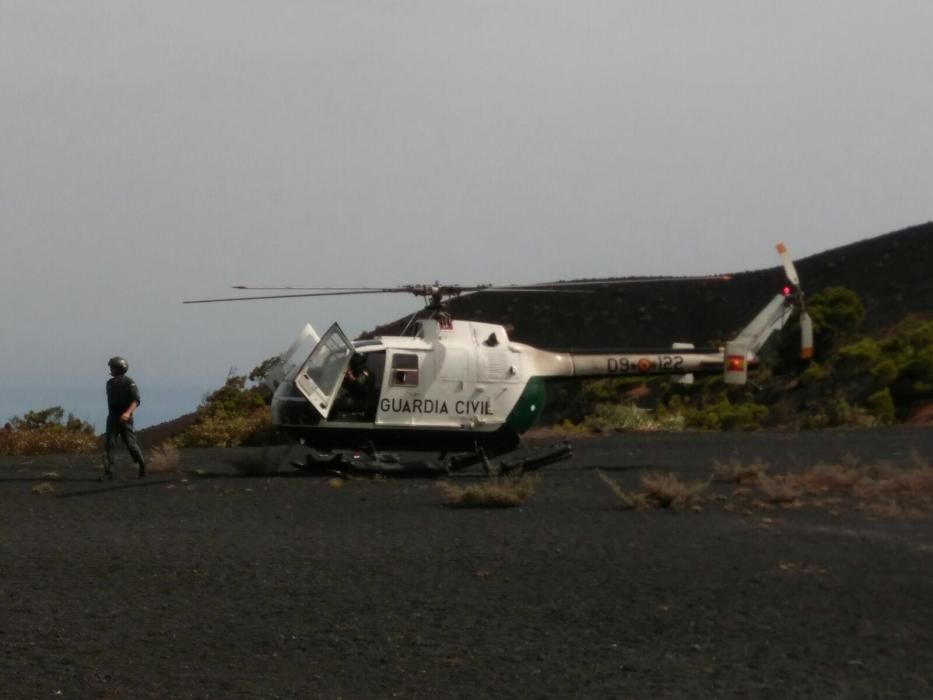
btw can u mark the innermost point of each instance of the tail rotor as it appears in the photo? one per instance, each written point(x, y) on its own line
point(806, 322)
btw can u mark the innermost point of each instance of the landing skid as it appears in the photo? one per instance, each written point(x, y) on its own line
point(372, 463)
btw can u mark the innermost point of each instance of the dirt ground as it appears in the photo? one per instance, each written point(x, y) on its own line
point(298, 587)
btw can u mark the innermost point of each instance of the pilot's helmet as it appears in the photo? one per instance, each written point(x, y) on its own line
point(118, 365)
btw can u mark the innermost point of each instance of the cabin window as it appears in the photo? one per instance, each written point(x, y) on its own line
point(404, 370)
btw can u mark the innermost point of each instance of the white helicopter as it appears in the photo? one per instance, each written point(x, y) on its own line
point(463, 388)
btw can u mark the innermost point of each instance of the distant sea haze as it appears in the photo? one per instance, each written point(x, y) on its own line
point(160, 402)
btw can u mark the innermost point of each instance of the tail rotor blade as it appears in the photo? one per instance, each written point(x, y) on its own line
point(806, 336)
point(789, 268)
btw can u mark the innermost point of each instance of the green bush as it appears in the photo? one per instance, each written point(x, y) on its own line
point(231, 416)
point(859, 356)
point(614, 390)
point(910, 348)
point(885, 371)
point(841, 413)
point(813, 374)
point(881, 405)
point(724, 415)
point(47, 431)
point(623, 417)
point(225, 430)
point(836, 310)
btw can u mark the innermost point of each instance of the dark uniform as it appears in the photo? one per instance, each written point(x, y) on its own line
point(357, 389)
point(121, 393)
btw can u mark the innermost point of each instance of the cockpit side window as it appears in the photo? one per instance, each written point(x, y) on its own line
point(404, 370)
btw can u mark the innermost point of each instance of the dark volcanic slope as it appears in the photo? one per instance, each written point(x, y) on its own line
point(891, 274)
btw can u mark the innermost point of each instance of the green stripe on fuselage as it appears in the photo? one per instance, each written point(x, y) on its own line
point(529, 406)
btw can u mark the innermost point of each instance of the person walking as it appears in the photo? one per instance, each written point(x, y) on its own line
point(122, 400)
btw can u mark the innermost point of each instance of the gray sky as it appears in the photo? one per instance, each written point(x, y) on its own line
point(156, 151)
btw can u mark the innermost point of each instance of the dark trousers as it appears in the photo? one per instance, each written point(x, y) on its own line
point(117, 428)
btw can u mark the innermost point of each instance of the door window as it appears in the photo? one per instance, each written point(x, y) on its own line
point(320, 377)
point(404, 370)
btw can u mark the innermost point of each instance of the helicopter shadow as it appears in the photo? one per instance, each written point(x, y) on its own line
point(619, 467)
point(53, 479)
point(111, 486)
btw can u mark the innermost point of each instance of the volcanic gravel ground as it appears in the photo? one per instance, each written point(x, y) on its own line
point(231, 587)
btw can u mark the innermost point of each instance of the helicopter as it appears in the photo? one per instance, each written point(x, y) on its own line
point(464, 389)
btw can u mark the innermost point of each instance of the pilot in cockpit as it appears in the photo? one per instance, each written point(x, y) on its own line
point(357, 388)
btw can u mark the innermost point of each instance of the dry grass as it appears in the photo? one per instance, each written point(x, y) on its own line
point(627, 500)
point(778, 489)
point(797, 567)
point(670, 492)
point(918, 461)
point(881, 490)
point(736, 472)
point(829, 477)
point(164, 459)
point(44, 489)
point(48, 440)
point(661, 491)
point(895, 510)
point(505, 492)
point(880, 481)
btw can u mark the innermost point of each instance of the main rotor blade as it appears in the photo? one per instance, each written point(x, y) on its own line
point(289, 296)
point(534, 290)
point(320, 289)
point(600, 283)
point(437, 290)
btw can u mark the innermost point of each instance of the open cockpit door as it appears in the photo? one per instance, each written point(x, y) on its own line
point(321, 376)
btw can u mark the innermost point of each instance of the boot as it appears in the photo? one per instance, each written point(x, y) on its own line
point(108, 471)
point(142, 470)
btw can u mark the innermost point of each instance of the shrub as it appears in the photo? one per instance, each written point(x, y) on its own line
point(626, 500)
point(48, 431)
point(885, 371)
point(46, 488)
point(227, 430)
point(660, 491)
point(725, 415)
point(840, 413)
point(233, 415)
point(622, 417)
point(163, 459)
point(670, 492)
point(505, 492)
point(858, 356)
point(836, 312)
point(778, 489)
point(736, 472)
point(612, 390)
point(881, 405)
point(828, 477)
point(836, 309)
point(813, 373)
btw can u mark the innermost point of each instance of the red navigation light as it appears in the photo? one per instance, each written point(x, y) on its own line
point(735, 363)
point(786, 291)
